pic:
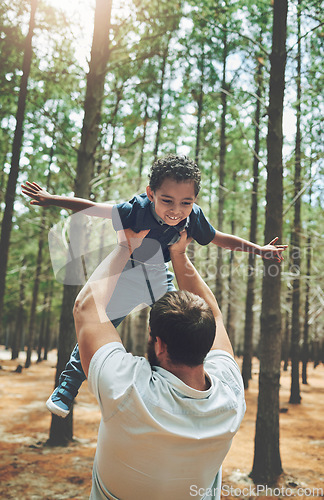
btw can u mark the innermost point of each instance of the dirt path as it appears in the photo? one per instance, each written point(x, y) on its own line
point(31, 471)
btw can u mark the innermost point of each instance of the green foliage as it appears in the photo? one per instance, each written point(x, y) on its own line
point(191, 35)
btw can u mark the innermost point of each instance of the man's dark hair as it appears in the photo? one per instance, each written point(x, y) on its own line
point(179, 168)
point(186, 324)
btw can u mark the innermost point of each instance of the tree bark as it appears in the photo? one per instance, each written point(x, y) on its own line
point(249, 302)
point(141, 162)
point(286, 339)
point(16, 341)
point(295, 240)
point(200, 101)
point(221, 174)
point(48, 322)
point(305, 352)
point(61, 431)
point(139, 333)
point(42, 329)
point(267, 462)
point(230, 326)
point(32, 317)
point(201, 64)
point(161, 98)
point(119, 96)
point(42, 236)
point(15, 158)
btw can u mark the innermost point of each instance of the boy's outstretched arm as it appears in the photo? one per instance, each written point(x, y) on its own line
point(270, 251)
point(43, 198)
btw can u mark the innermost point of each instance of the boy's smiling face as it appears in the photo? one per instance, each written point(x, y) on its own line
point(173, 200)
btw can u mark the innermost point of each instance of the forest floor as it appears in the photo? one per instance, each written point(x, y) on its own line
point(30, 470)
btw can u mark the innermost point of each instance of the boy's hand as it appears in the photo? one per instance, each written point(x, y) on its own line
point(181, 245)
point(39, 195)
point(272, 251)
point(131, 240)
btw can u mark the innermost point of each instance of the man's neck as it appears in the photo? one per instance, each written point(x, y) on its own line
point(194, 377)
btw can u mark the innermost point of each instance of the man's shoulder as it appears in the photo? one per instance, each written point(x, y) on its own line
point(223, 366)
point(115, 367)
point(114, 351)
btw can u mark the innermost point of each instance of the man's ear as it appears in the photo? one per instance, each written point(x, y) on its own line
point(160, 346)
point(149, 193)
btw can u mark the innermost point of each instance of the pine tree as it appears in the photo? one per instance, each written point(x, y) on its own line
point(267, 462)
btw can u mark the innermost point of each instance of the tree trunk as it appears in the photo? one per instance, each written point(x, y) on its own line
point(231, 294)
point(61, 431)
point(140, 333)
point(3, 179)
point(200, 100)
point(267, 462)
point(221, 174)
point(32, 317)
point(249, 302)
point(207, 261)
point(15, 158)
point(42, 329)
point(16, 342)
point(161, 98)
point(48, 322)
point(191, 251)
point(119, 96)
point(141, 163)
point(295, 240)
point(305, 353)
point(42, 236)
point(286, 340)
point(127, 338)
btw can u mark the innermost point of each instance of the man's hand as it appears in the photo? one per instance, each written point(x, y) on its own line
point(129, 239)
point(272, 251)
point(181, 245)
point(39, 195)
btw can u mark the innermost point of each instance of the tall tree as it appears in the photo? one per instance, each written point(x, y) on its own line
point(221, 170)
point(16, 341)
point(61, 430)
point(230, 326)
point(249, 301)
point(41, 241)
point(139, 332)
point(164, 57)
point(295, 235)
point(15, 157)
point(305, 351)
point(267, 462)
point(48, 321)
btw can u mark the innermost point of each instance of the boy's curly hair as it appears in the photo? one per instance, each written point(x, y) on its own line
point(179, 168)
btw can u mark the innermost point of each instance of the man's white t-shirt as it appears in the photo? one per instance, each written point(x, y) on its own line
point(159, 438)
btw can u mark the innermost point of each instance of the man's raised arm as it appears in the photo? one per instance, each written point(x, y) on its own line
point(93, 327)
point(189, 279)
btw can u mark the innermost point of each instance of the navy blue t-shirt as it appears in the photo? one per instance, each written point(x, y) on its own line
point(138, 214)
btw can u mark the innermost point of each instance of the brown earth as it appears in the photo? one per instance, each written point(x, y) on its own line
point(29, 470)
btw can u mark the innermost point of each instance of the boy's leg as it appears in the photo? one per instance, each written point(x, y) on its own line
point(159, 281)
point(61, 400)
point(134, 287)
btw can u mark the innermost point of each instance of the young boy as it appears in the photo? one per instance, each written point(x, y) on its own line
point(167, 208)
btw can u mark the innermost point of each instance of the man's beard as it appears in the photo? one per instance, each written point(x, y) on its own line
point(151, 356)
